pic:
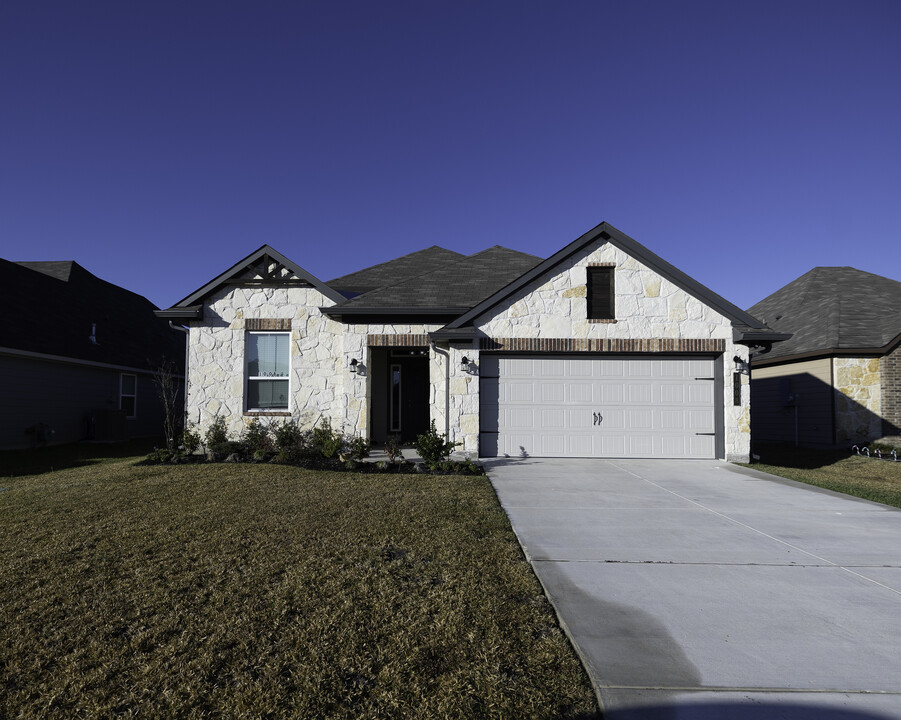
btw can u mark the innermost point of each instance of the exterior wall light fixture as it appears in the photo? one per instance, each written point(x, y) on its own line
point(741, 366)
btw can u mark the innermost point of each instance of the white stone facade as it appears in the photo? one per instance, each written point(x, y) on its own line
point(648, 306)
point(858, 400)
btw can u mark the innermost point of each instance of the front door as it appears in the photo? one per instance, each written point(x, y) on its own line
point(408, 393)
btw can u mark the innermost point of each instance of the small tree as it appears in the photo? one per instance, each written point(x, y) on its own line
point(168, 386)
point(433, 447)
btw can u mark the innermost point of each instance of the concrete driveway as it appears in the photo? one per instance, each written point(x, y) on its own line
point(702, 590)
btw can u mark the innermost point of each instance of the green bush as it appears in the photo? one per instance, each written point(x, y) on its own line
point(392, 449)
point(433, 447)
point(327, 441)
point(190, 440)
point(287, 435)
point(357, 448)
point(216, 433)
point(257, 439)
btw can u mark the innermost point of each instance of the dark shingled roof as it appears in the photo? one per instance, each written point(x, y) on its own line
point(50, 308)
point(461, 284)
point(394, 271)
point(833, 309)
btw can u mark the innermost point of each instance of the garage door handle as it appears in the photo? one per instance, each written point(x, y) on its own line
point(597, 418)
point(705, 434)
point(705, 378)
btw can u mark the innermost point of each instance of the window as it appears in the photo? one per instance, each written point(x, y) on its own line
point(128, 394)
point(600, 294)
point(268, 361)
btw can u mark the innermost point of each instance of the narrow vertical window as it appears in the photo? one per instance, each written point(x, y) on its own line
point(128, 394)
point(268, 363)
point(395, 398)
point(601, 294)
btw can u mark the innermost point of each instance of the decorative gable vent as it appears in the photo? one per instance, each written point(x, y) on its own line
point(267, 270)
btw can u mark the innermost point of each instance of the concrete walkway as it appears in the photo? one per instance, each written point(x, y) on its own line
point(702, 590)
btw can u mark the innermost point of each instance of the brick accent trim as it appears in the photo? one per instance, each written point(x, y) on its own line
point(397, 340)
point(602, 264)
point(276, 324)
point(601, 321)
point(625, 345)
point(267, 414)
point(890, 372)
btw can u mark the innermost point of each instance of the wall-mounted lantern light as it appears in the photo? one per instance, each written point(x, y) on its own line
point(464, 364)
point(741, 366)
point(357, 368)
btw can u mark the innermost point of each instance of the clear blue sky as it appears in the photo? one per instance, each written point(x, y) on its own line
point(157, 143)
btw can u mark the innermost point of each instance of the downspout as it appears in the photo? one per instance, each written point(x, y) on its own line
point(446, 387)
point(187, 355)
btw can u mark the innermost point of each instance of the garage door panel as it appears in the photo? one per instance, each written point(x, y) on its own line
point(641, 446)
point(553, 418)
point(671, 420)
point(610, 393)
point(553, 393)
point(559, 406)
point(553, 445)
point(639, 393)
point(640, 419)
point(579, 419)
point(580, 392)
point(580, 446)
point(612, 419)
point(699, 394)
point(672, 393)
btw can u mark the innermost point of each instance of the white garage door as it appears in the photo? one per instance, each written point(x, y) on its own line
point(597, 407)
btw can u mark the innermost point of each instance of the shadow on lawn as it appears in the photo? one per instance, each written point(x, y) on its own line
point(784, 455)
point(34, 461)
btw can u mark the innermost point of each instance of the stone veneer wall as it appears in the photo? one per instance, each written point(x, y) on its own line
point(319, 378)
point(649, 309)
point(890, 369)
point(858, 399)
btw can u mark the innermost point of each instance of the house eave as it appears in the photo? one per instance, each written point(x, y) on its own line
point(339, 310)
point(181, 314)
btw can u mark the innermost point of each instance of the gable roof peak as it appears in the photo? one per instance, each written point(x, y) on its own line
point(606, 232)
point(263, 266)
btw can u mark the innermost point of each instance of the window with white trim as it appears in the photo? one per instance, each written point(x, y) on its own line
point(128, 394)
point(268, 356)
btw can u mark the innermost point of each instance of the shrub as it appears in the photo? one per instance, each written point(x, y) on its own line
point(190, 440)
point(392, 449)
point(357, 448)
point(257, 439)
point(216, 433)
point(434, 448)
point(287, 435)
point(328, 442)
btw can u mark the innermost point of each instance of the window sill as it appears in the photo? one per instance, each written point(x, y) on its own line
point(267, 413)
point(607, 321)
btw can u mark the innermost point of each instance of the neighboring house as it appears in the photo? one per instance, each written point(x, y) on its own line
point(837, 381)
point(602, 350)
point(77, 356)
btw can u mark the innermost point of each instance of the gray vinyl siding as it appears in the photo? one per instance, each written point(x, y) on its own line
point(782, 393)
point(66, 397)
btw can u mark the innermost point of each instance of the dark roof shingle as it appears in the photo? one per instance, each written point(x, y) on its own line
point(460, 284)
point(833, 308)
point(394, 271)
